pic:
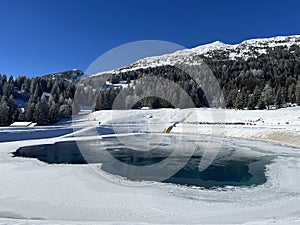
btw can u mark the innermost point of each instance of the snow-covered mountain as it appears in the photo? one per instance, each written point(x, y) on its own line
point(69, 75)
point(193, 56)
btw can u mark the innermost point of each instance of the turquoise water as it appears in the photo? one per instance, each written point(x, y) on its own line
point(233, 165)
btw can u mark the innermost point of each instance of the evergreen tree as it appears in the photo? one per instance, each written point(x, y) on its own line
point(98, 103)
point(54, 112)
point(12, 109)
point(291, 93)
point(155, 103)
point(267, 95)
point(40, 114)
point(251, 102)
point(21, 115)
point(29, 110)
point(33, 84)
point(280, 97)
point(261, 103)
point(297, 93)
point(65, 111)
point(4, 113)
point(239, 102)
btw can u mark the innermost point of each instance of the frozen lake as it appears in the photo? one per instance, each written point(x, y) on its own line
point(246, 182)
point(233, 165)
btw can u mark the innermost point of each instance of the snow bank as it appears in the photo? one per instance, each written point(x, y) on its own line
point(68, 194)
point(281, 126)
point(37, 193)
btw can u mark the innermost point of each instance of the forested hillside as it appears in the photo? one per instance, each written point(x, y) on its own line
point(250, 77)
point(258, 82)
point(43, 100)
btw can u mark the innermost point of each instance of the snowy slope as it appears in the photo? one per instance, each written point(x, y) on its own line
point(279, 126)
point(244, 50)
point(37, 193)
point(70, 75)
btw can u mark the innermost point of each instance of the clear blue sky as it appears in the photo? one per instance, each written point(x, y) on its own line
point(38, 37)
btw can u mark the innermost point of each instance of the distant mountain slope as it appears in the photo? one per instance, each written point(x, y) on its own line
point(243, 51)
point(69, 75)
point(255, 74)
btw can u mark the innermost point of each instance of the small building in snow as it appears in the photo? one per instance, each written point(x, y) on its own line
point(23, 124)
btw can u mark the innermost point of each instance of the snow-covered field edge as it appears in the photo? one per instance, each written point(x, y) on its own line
point(281, 126)
point(38, 193)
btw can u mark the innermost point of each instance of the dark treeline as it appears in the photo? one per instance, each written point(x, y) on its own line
point(159, 87)
point(47, 100)
point(259, 82)
point(269, 79)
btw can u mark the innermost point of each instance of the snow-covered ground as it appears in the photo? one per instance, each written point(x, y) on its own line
point(32, 192)
point(280, 126)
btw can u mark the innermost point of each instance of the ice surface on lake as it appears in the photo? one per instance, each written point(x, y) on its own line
point(234, 165)
point(59, 194)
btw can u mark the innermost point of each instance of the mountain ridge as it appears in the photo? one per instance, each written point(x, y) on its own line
point(244, 50)
point(68, 75)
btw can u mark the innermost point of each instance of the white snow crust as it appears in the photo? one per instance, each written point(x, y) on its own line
point(32, 192)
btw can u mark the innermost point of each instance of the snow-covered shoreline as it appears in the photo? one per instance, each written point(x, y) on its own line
point(281, 126)
point(277, 126)
point(282, 136)
point(37, 193)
